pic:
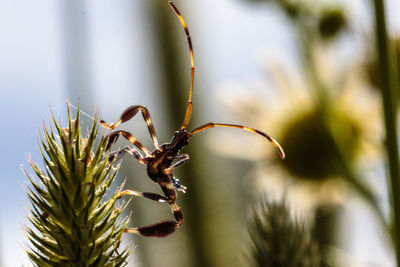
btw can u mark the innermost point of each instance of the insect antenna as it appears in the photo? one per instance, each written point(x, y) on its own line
point(189, 102)
point(269, 138)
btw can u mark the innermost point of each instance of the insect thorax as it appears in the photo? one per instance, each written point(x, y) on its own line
point(178, 141)
point(163, 158)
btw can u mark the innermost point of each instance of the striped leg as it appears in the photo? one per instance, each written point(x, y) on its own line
point(148, 195)
point(113, 136)
point(175, 181)
point(128, 114)
point(132, 150)
point(181, 159)
point(146, 230)
point(160, 229)
point(163, 228)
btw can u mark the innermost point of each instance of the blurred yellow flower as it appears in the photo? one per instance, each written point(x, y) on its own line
point(312, 173)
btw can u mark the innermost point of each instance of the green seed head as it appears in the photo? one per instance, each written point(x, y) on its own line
point(71, 222)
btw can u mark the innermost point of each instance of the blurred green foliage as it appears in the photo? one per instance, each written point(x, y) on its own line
point(328, 20)
point(278, 239)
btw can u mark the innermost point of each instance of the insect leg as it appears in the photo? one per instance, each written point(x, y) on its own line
point(132, 150)
point(175, 181)
point(113, 136)
point(148, 195)
point(212, 125)
point(142, 230)
point(128, 114)
point(181, 159)
point(178, 185)
point(162, 228)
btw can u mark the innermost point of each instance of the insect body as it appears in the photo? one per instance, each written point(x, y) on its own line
point(162, 161)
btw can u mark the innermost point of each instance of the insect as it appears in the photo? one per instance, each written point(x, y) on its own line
point(165, 158)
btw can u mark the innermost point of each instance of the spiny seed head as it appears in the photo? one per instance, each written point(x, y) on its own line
point(277, 239)
point(71, 223)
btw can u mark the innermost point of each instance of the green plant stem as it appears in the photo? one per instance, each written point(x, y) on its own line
point(323, 99)
point(355, 182)
point(307, 47)
point(388, 85)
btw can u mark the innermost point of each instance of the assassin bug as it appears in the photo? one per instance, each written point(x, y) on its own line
point(162, 161)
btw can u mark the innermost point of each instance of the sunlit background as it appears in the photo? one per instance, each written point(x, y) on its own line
point(249, 70)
